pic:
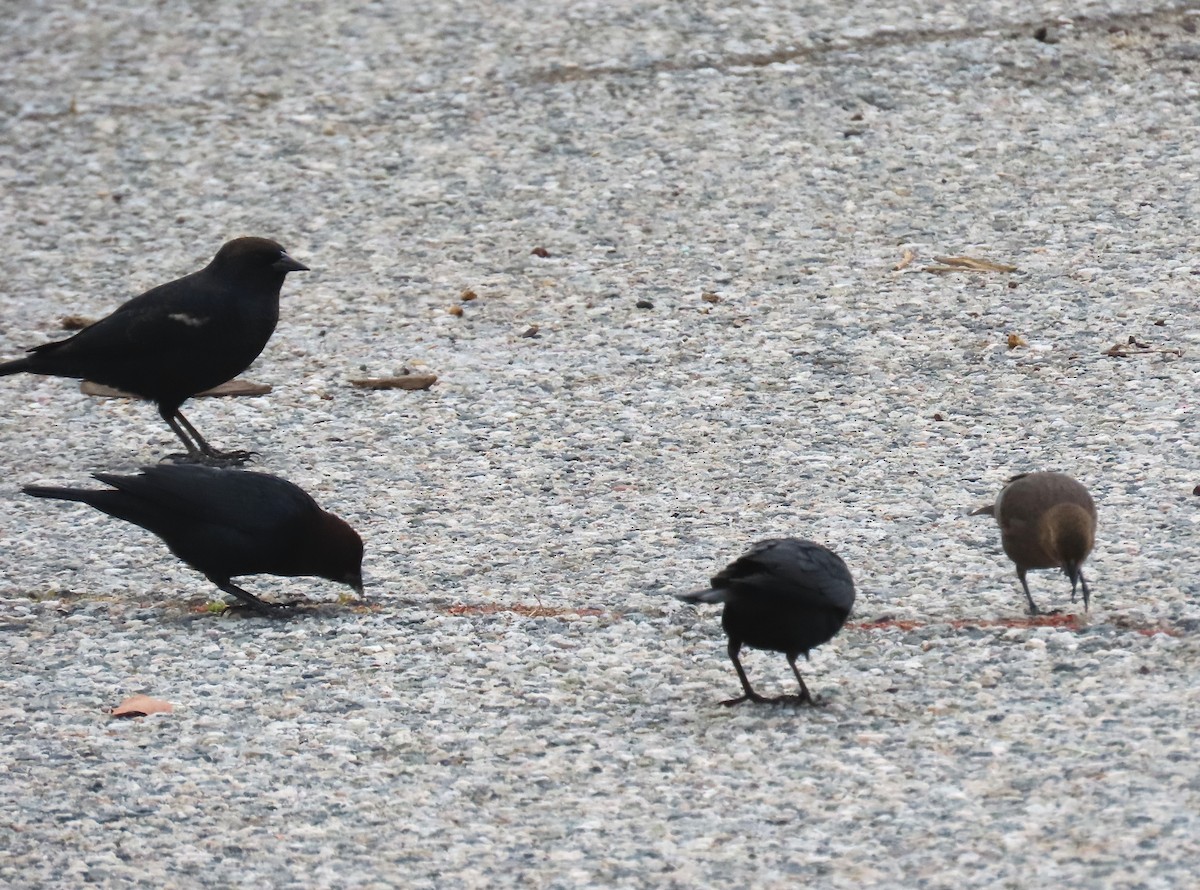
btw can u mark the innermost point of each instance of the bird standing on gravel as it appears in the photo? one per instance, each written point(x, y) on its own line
point(1047, 521)
point(225, 523)
point(784, 594)
point(180, 338)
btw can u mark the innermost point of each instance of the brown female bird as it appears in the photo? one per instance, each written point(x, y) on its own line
point(1047, 521)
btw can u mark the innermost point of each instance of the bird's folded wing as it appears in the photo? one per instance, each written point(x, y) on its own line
point(247, 501)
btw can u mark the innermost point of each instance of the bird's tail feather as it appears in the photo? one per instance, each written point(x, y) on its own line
point(16, 366)
point(707, 595)
point(61, 494)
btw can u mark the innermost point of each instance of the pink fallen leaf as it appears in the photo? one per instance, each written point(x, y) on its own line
point(140, 706)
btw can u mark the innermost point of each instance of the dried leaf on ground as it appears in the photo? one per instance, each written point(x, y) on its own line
point(1134, 346)
point(905, 260)
point(404, 381)
point(229, 388)
point(968, 264)
point(75, 322)
point(141, 705)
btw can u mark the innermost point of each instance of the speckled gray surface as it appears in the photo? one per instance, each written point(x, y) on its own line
point(521, 702)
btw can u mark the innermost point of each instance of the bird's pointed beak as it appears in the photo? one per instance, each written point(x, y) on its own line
point(286, 264)
point(1072, 571)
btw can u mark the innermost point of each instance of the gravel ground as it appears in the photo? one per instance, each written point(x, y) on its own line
point(520, 702)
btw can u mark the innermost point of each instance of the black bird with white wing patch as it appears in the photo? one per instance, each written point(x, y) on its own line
point(180, 338)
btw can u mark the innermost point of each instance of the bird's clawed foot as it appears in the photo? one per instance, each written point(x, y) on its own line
point(243, 599)
point(279, 611)
point(228, 458)
point(198, 449)
point(793, 700)
point(211, 459)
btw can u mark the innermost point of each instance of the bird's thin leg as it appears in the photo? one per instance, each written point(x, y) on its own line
point(193, 450)
point(735, 646)
point(805, 697)
point(273, 610)
point(201, 443)
point(1033, 610)
point(199, 451)
point(1087, 594)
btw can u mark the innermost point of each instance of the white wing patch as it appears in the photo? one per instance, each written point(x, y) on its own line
point(190, 320)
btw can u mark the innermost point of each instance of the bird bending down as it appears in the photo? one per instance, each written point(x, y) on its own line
point(784, 594)
point(180, 338)
point(1047, 521)
point(225, 523)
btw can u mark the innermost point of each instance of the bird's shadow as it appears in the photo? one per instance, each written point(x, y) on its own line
point(297, 610)
point(778, 701)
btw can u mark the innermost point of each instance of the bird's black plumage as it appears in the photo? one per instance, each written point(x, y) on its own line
point(225, 523)
point(179, 338)
point(787, 595)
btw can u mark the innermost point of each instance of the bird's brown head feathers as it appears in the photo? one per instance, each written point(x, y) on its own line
point(1068, 532)
point(255, 257)
point(332, 550)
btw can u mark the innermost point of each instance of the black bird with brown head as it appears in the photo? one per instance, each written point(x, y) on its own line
point(225, 523)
